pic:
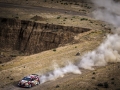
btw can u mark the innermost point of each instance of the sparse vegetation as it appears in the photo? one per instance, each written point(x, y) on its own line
point(93, 77)
point(64, 20)
point(2, 65)
point(75, 46)
point(58, 17)
point(83, 10)
point(54, 50)
point(57, 86)
point(104, 85)
point(73, 17)
point(83, 19)
point(7, 77)
point(11, 79)
point(91, 22)
point(93, 72)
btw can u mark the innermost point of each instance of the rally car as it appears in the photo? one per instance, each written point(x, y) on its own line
point(29, 81)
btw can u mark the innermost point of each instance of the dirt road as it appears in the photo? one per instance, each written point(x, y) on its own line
point(40, 8)
point(108, 75)
point(43, 86)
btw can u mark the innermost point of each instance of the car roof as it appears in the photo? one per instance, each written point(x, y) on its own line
point(31, 76)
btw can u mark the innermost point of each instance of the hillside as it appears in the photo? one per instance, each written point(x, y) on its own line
point(36, 35)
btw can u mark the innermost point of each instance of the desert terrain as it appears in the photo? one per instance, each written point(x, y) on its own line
point(15, 64)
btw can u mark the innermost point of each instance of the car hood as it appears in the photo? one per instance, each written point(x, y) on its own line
point(23, 81)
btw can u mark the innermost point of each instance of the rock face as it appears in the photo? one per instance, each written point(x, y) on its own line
point(31, 37)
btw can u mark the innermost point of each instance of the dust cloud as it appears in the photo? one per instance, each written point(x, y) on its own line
point(108, 51)
point(60, 72)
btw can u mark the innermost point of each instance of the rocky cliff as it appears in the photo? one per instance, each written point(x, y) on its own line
point(31, 37)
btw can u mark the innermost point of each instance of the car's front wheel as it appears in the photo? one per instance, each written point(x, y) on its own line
point(30, 86)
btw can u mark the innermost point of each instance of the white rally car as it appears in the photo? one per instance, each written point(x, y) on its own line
point(29, 81)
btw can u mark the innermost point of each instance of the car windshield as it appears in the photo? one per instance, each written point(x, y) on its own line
point(26, 78)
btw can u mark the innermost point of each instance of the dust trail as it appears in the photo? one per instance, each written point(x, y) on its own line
point(60, 72)
point(108, 51)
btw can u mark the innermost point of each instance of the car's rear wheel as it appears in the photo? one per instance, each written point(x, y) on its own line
point(38, 82)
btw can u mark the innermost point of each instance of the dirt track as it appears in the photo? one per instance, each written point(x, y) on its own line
point(40, 9)
point(86, 80)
